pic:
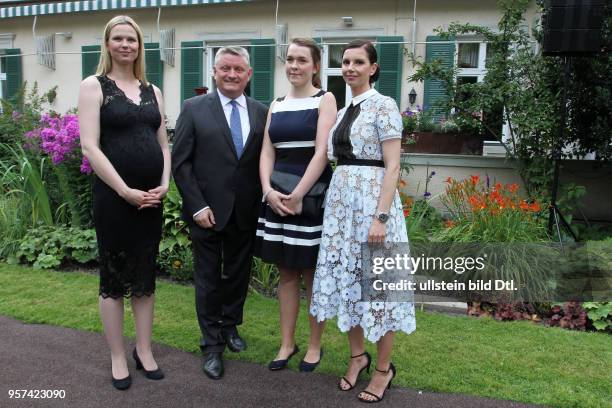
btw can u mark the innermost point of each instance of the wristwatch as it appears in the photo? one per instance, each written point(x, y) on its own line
point(382, 217)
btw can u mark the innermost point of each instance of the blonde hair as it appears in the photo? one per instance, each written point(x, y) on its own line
point(106, 64)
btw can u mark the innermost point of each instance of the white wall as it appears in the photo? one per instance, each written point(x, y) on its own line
point(390, 17)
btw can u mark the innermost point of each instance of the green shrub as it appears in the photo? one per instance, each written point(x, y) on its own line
point(600, 313)
point(53, 246)
point(177, 262)
point(12, 227)
point(264, 278)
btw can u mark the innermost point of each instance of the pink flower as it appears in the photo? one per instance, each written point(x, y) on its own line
point(86, 166)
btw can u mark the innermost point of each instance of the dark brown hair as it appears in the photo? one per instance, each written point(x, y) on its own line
point(315, 53)
point(370, 50)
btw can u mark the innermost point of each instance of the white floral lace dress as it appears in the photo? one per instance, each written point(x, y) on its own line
point(350, 206)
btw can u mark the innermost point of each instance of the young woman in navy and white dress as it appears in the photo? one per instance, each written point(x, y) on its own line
point(295, 142)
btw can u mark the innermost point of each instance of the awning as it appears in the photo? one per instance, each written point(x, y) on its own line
point(99, 5)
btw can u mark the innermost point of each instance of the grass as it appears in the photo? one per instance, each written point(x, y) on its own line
point(516, 360)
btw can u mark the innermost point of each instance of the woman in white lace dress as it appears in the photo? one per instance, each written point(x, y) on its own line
point(362, 205)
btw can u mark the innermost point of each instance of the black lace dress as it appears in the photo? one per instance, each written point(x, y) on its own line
point(128, 238)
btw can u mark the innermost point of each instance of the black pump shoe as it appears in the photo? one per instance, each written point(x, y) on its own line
point(276, 365)
point(122, 384)
point(307, 367)
point(151, 375)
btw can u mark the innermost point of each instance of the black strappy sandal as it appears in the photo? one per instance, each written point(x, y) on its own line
point(378, 398)
point(365, 367)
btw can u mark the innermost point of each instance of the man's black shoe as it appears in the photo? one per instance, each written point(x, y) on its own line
point(213, 365)
point(234, 342)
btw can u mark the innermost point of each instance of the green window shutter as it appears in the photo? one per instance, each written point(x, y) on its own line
point(191, 68)
point(12, 68)
point(155, 66)
point(262, 61)
point(435, 90)
point(89, 61)
point(390, 59)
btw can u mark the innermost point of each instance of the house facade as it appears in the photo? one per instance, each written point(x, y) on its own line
point(58, 43)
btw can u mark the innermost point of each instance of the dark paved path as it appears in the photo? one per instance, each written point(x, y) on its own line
point(46, 357)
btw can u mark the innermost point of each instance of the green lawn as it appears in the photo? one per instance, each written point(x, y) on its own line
point(517, 361)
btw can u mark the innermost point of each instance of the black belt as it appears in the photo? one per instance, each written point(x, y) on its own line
point(361, 162)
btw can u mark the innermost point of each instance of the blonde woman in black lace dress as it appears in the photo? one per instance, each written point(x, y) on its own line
point(124, 139)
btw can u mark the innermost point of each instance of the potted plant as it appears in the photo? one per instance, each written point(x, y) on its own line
point(422, 134)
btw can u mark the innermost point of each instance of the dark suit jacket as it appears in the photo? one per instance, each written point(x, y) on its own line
point(205, 165)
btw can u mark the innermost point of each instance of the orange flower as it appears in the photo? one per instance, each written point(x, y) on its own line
point(448, 180)
point(406, 212)
point(498, 186)
point(535, 207)
point(523, 205)
point(449, 224)
point(475, 179)
point(513, 188)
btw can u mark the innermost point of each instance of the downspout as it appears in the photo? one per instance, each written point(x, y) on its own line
point(414, 22)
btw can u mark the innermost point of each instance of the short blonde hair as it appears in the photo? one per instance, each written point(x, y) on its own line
point(106, 64)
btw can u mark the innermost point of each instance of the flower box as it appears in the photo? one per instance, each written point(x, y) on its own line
point(443, 143)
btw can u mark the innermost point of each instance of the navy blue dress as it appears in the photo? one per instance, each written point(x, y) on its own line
point(292, 241)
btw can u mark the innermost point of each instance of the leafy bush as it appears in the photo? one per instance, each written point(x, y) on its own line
point(569, 316)
point(23, 114)
point(420, 120)
point(57, 137)
point(482, 214)
point(600, 314)
point(421, 220)
point(264, 278)
point(53, 246)
point(23, 177)
point(175, 257)
point(177, 262)
point(12, 229)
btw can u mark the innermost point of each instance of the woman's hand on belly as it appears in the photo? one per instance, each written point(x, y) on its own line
point(141, 199)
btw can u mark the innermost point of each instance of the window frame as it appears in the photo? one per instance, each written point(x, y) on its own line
point(480, 71)
point(3, 78)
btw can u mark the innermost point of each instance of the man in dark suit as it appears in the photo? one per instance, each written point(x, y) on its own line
point(215, 162)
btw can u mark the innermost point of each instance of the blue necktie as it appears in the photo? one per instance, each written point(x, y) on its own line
point(236, 127)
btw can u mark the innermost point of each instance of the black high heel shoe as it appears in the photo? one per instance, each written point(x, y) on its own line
point(365, 367)
point(122, 384)
point(306, 367)
point(151, 375)
point(276, 365)
point(378, 398)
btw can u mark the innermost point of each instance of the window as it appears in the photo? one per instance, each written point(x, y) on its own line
point(471, 60)
point(331, 73)
point(471, 63)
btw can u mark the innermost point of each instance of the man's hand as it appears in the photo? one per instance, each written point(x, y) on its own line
point(205, 219)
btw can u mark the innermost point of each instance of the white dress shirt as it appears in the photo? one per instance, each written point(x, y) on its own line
point(244, 120)
point(242, 109)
